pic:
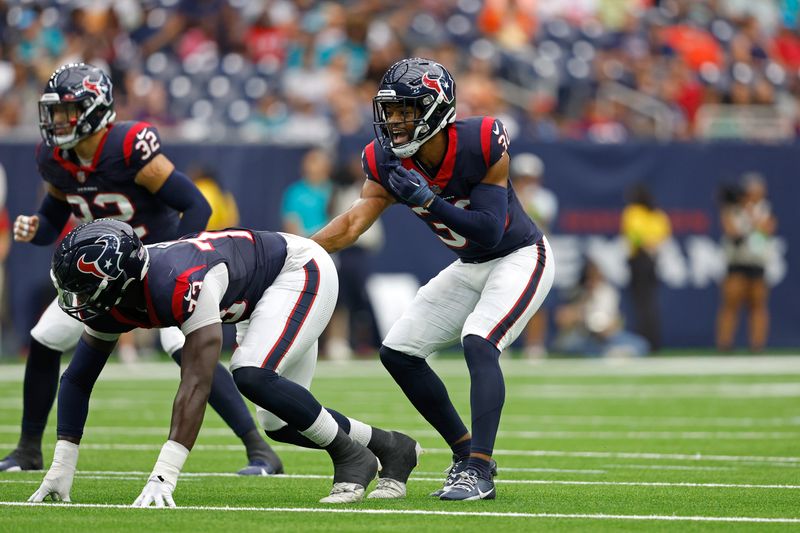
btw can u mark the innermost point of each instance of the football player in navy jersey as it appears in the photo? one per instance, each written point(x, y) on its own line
point(94, 167)
point(453, 174)
point(279, 290)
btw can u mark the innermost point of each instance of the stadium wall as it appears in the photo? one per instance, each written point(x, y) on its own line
point(590, 182)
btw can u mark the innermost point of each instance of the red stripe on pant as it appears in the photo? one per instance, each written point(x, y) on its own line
point(296, 318)
point(517, 310)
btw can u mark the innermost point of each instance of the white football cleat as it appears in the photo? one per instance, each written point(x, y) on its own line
point(388, 488)
point(344, 493)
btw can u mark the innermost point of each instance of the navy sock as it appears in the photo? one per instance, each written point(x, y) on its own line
point(292, 436)
point(226, 401)
point(487, 392)
point(461, 449)
point(426, 391)
point(38, 391)
point(481, 466)
point(285, 399)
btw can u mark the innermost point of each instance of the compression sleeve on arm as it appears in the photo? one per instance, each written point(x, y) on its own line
point(484, 221)
point(53, 215)
point(182, 195)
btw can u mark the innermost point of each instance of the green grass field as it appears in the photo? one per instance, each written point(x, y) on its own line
point(681, 444)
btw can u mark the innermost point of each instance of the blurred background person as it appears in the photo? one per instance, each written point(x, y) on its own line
point(645, 228)
point(590, 322)
point(224, 211)
point(5, 247)
point(353, 328)
point(541, 204)
point(304, 208)
point(747, 228)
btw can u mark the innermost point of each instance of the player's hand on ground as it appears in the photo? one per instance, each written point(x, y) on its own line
point(58, 480)
point(25, 228)
point(54, 487)
point(157, 492)
point(410, 186)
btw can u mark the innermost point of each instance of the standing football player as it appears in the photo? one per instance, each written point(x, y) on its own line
point(94, 167)
point(454, 176)
point(280, 291)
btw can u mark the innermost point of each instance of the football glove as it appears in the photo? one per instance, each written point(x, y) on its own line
point(158, 490)
point(410, 186)
point(58, 480)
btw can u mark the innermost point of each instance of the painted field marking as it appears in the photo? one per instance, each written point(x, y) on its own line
point(669, 518)
point(793, 461)
point(135, 475)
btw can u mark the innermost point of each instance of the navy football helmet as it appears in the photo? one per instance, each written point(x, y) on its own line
point(77, 101)
point(94, 265)
point(427, 92)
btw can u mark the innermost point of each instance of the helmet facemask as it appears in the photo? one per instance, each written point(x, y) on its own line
point(420, 111)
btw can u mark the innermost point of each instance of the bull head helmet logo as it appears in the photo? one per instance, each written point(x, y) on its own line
point(107, 263)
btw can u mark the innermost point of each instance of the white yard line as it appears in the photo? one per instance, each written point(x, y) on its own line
point(671, 467)
point(759, 459)
point(529, 435)
point(670, 518)
point(651, 366)
point(141, 475)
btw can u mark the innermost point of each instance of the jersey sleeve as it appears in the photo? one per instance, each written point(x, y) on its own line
point(371, 158)
point(206, 311)
point(185, 292)
point(140, 145)
point(494, 140)
point(43, 162)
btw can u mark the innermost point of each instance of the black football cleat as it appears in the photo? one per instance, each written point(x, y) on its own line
point(258, 467)
point(458, 466)
point(470, 486)
point(22, 459)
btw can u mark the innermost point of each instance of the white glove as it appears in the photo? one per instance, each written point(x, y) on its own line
point(157, 491)
point(164, 476)
point(25, 228)
point(58, 480)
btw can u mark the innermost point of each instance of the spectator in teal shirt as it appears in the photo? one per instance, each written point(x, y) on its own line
point(304, 209)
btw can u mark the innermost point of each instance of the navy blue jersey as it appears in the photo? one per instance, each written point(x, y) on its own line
point(177, 269)
point(474, 145)
point(106, 187)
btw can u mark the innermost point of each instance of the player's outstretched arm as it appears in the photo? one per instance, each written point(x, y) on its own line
point(45, 226)
point(200, 356)
point(77, 381)
point(345, 229)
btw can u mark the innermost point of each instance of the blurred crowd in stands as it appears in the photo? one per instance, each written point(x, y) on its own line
point(305, 71)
